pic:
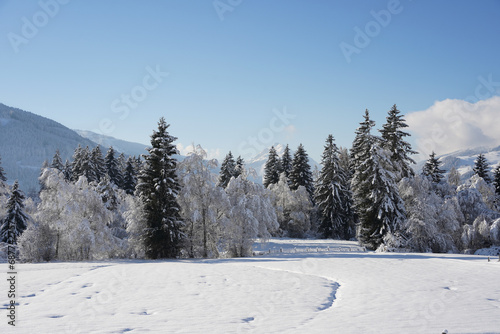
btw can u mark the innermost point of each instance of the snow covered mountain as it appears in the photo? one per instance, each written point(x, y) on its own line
point(119, 145)
point(27, 140)
point(464, 160)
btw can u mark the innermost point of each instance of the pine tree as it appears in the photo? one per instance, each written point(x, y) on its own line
point(377, 201)
point(286, 163)
point(240, 166)
point(158, 188)
point(362, 142)
point(481, 168)
point(130, 177)
point(272, 168)
point(68, 172)
point(112, 168)
point(431, 169)
point(333, 197)
point(82, 165)
point(393, 141)
point(496, 180)
point(16, 221)
point(57, 162)
point(97, 163)
point(227, 170)
point(301, 174)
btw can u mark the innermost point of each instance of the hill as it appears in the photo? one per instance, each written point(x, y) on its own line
point(27, 140)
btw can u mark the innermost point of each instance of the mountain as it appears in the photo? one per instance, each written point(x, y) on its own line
point(27, 140)
point(463, 160)
point(119, 145)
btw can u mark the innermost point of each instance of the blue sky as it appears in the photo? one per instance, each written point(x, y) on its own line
point(223, 73)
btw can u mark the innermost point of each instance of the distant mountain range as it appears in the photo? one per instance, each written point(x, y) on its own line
point(464, 160)
point(27, 140)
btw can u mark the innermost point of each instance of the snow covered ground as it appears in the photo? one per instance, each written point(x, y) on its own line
point(302, 286)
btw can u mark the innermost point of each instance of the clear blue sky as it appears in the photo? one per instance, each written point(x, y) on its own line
point(229, 68)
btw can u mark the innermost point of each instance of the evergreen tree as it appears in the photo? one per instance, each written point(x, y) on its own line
point(2, 172)
point(286, 163)
point(362, 142)
point(130, 177)
point(272, 168)
point(16, 221)
point(496, 180)
point(481, 168)
point(67, 172)
point(82, 164)
point(301, 174)
point(393, 141)
point(431, 169)
point(377, 201)
point(112, 168)
point(240, 165)
point(158, 188)
point(57, 162)
point(227, 170)
point(333, 197)
point(97, 163)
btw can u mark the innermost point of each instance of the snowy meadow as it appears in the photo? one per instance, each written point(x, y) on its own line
point(302, 286)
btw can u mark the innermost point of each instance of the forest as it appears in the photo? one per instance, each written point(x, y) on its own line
point(104, 205)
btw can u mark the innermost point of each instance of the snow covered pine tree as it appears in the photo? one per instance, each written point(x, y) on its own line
point(16, 221)
point(158, 189)
point(333, 196)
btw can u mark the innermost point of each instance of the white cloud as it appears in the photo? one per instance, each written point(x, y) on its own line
point(452, 125)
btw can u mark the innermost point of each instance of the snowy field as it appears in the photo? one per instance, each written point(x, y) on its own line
point(301, 286)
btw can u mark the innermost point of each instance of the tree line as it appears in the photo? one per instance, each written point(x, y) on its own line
point(107, 206)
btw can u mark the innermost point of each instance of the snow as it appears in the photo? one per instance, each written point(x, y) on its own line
point(304, 286)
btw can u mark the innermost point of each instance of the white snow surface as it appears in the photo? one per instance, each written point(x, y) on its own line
point(301, 286)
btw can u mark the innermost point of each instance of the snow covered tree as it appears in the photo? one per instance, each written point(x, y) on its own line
point(57, 162)
point(454, 178)
point(240, 166)
point(362, 142)
point(97, 163)
point(301, 175)
point(272, 168)
point(293, 208)
point(16, 220)
point(158, 188)
point(71, 223)
point(227, 170)
point(3, 178)
point(286, 163)
point(67, 171)
point(496, 180)
point(481, 168)
point(377, 201)
point(393, 141)
point(432, 220)
point(112, 168)
point(204, 206)
point(431, 169)
point(129, 177)
point(252, 215)
point(333, 197)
